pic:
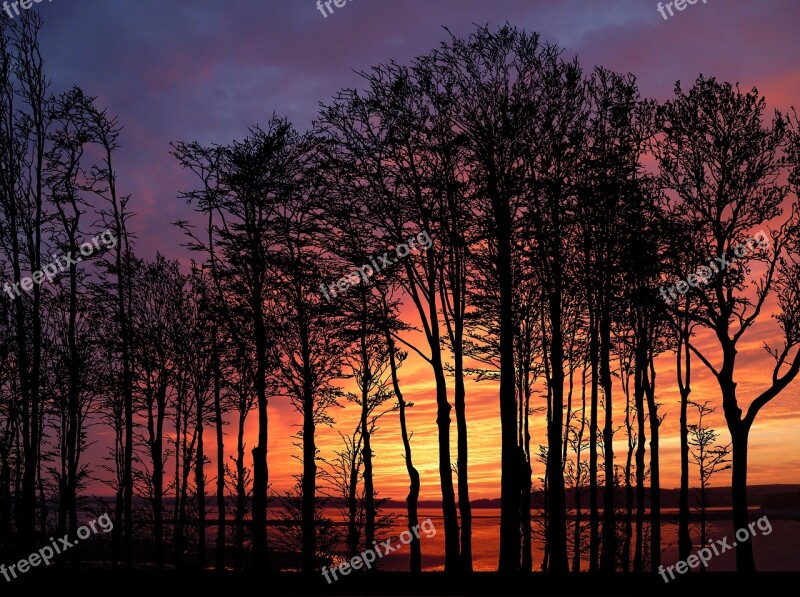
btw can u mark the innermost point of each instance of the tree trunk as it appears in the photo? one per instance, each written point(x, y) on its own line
point(684, 516)
point(218, 424)
point(73, 407)
point(594, 512)
point(5, 497)
point(638, 558)
point(127, 389)
point(200, 481)
point(241, 491)
point(155, 426)
point(260, 468)
point(576, 539)
point(745, 563)
point(369, 485)
point(443, 408)
point(412, 499)
point(464, 506)
point(366, 432)
point(655, 474)
point(556, 499)
point(510, 535)
point(449, 513)
point(309, 535)
point(353, 534)
point(608, 555)
point(158, 473)
point(629, 491)
point(527, 473)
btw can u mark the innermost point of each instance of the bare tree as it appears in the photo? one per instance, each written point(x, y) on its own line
point(709, 459)
point(102, 181)
point(26, 100)
point(309, 351)
point(721, 159)
point(243, 187)
point(156, 302)
point(388, 128)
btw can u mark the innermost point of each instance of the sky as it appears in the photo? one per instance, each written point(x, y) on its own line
point(182, 70)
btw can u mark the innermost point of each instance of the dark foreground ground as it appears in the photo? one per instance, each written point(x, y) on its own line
point(175, 584)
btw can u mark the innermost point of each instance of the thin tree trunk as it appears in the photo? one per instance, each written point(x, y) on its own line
point(576, 540)
point(462, 470)
point(353, 534)
point(638, 558)
point(629, 491)
point(73, 414)
point(218, 424)
point(594, 512)
point(608, 554)
point(443, 409)
point(366, 433)
point(684, 385)
point(158, 470)
point(464, 506)
point(309, 536)
point(527, 472)
point(241, 493)
point(155, 422)
point(412, 499)
point(176, 531)
point(556, 499)
point(703, 494)
point(655, 475)
point(5, 496)
point(200, 481)
point(260, 467)
point(449, 513)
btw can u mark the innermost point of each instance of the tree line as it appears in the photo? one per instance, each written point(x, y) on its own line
point(556, 201)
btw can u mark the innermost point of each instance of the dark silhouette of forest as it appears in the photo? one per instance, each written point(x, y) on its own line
point(558, 202)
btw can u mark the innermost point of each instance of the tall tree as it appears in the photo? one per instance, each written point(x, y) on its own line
point(119, 263)
point(70, 134)
point(26, 117)
point(309, 353)
point(243, 186)
point(156, 351)
point(381, 142)
point(719, 155)
point(390, 327)
point(553, 169)
point(489, 86)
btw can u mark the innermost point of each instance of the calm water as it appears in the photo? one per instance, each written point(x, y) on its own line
point(778, 551)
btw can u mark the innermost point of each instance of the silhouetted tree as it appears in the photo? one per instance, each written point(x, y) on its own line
point(309, 355)
point(720, 158)
point(26, 115)
point(156, 352)
point(388, 128)
point(243, 186)
point(709, 459)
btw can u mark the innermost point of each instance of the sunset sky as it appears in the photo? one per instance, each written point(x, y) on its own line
point(208, 70)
